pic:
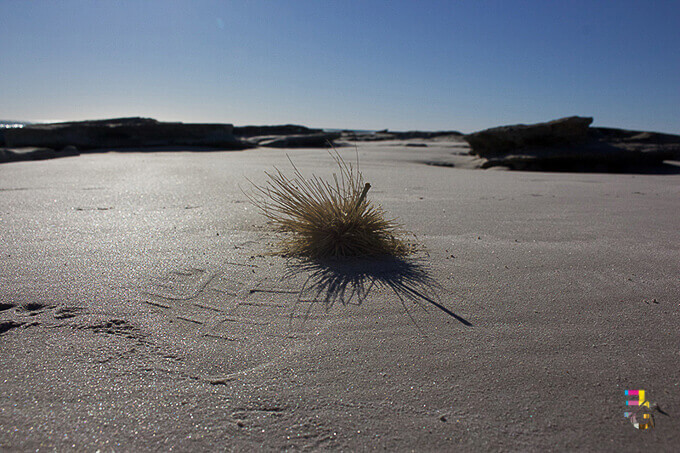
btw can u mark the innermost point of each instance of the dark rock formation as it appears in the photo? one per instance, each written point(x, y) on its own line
point(285, 136)
point(320, 140)
point(260, 131)
point(122, 133)
point(30, 153)
point(570, 144)
point(500, 140)
point(386, 135)
point(423, 134)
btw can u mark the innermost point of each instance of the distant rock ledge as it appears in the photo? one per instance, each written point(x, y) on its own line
point(49, 141)
point(122, 133)
point(571, 144)
point(385, 135)
point(566, 144)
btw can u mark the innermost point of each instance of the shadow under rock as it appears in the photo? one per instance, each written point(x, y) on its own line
point(568, 166)
point(350, 281)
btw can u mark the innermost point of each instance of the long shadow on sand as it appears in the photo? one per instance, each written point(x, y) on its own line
point(350, 281)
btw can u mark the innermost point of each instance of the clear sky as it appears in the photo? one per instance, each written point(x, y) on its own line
point(430, 65)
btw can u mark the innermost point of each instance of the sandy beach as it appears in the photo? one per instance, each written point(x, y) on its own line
point(143, 308)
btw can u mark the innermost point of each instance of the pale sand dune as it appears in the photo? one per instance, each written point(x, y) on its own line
point(157, 319)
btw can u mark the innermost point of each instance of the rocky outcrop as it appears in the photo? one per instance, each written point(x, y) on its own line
point(261, 131)
point(286, 136)
point(319, 140)
point(123, 133)
point(30, 153)
point(570, 144)
point(387, 135)
point(500, 140)
point(39, 141)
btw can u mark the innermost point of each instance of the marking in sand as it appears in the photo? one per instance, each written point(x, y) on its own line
point(232, 304)
point(238, 303)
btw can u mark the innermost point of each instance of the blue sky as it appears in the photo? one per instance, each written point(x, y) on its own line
point(431, 65)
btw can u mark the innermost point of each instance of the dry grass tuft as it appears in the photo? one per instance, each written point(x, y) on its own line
point(328, 219)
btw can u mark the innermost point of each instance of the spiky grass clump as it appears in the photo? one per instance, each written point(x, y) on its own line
point(328, 219)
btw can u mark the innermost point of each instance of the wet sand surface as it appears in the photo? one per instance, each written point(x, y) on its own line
point(142, 309)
